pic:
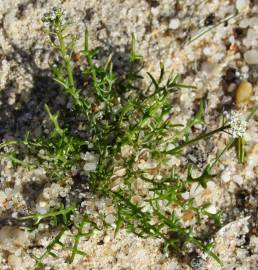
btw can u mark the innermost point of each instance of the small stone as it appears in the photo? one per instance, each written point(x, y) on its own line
point(42, 207)
point(238, 179)
point(136, 199)
point(126, 151)
point(39, 171)
point(188, 215)
point(120, 172)
point(107, 239)
point(11, 238)
point(88, 167)
point(226, 176)
point(253, 22)
point(116, 184)
point(251, 57)
point(15, 262)
point(174, 24)
point(233, 48)
point(110, 219)
point(185, 195)
point(148, 165)
point(243, 93)
point(195, 190)
point(3, 197)
point(211, 209)
point(208, 67)
point(242, 4)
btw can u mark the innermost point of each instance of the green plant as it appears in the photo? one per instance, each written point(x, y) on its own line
point(131, 137)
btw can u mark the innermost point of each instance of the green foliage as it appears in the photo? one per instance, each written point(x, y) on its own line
point(60, 218)
point(118, 113)
point(77, 236)
point(57, 217)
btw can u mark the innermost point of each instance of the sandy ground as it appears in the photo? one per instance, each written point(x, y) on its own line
point(216, 63)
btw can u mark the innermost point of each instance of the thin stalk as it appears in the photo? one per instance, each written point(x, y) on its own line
point(240, 143)
point(231, 142)
point(203, 32)
point(71, 87)
point(3, 144)
point(66, 58)
point(18, 161)
point(253, 112)
point(201, 137)
point(89, 60)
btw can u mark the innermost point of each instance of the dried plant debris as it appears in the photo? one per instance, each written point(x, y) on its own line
point(124, 165)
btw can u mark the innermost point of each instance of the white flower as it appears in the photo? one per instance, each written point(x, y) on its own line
point(237, 124)
point(49, 18)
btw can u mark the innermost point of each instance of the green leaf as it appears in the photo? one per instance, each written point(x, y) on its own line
point(54, 120)
point(240, 149)
point(153, 81)
point(133, 56)
point(203, 179)
point(162, 72)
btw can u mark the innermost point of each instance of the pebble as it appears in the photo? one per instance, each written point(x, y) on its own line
point(185, 195)
point(120, 172)
point(243, 93)
point(195, 190)
point(107, 238)
point(136, 199)
point(39, 171)
point(251, 57)
point(253, 21)
point(3, 197)
point(208, 67)
point(110, 219)
point(174, 24)
point(238, 179)
point(188, 215)
point(226, 176)
point(90, 166)
point(148, 165)
point(250, 39)
point(241, 4)
point(15, 262)
point(42, 207)
point(211, 209)
point(11, 237)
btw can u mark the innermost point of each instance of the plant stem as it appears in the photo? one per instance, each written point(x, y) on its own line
point(231, 142)
point(201, 137)
point(206, 30)
point(66, 58)
point(3, 144)
point(89, 59)
point(70, 86)
point(253, 112)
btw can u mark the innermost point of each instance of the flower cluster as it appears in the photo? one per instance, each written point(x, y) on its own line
point(53, 18)
point(237, 124)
